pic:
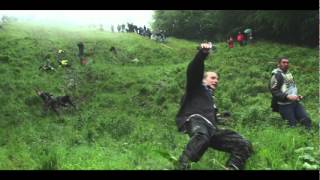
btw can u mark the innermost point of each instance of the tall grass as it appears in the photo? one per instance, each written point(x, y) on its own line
point(125, 110)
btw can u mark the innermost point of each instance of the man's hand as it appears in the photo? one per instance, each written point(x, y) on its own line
point(294, 97)
point(205, 47)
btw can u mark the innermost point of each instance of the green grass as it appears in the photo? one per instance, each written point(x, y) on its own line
point(125, 116)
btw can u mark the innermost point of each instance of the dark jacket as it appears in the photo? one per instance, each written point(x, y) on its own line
point(197, 98)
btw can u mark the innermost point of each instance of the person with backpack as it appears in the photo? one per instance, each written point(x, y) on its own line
point(285, 97)
point(197, 117)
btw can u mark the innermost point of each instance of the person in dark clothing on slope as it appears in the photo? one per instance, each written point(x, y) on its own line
point(197, 117)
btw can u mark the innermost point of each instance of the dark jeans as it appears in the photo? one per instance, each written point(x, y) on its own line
point(294, 113)
point(203, 136)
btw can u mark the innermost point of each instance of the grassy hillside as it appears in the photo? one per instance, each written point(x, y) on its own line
point(125, 110)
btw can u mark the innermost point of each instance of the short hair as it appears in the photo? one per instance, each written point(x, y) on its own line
point(280, 59)
point(206, 74)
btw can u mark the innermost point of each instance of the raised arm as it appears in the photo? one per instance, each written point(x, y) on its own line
point(196, 68)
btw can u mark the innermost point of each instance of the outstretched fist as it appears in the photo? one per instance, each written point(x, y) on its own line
point(205, 47)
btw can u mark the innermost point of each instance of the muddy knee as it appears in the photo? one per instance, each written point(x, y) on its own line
point(197, 146)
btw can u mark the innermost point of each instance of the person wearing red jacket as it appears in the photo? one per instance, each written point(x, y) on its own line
point(240, 38)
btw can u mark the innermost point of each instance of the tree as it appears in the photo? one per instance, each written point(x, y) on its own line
point(286, 26)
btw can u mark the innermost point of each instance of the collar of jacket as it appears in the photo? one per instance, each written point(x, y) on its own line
point(209, 90)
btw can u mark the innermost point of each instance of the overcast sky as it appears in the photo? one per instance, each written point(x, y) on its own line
point(84, 17)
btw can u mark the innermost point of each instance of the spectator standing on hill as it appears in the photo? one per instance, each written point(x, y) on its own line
point(230, 42)
point(240, 39)
point(285, 97)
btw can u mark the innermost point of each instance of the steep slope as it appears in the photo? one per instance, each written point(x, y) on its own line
point(125, 109)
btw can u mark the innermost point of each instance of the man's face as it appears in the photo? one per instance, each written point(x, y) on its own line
point(211, 80)
point(284, 64)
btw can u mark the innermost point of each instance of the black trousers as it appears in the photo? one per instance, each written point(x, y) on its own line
point(203, 136)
